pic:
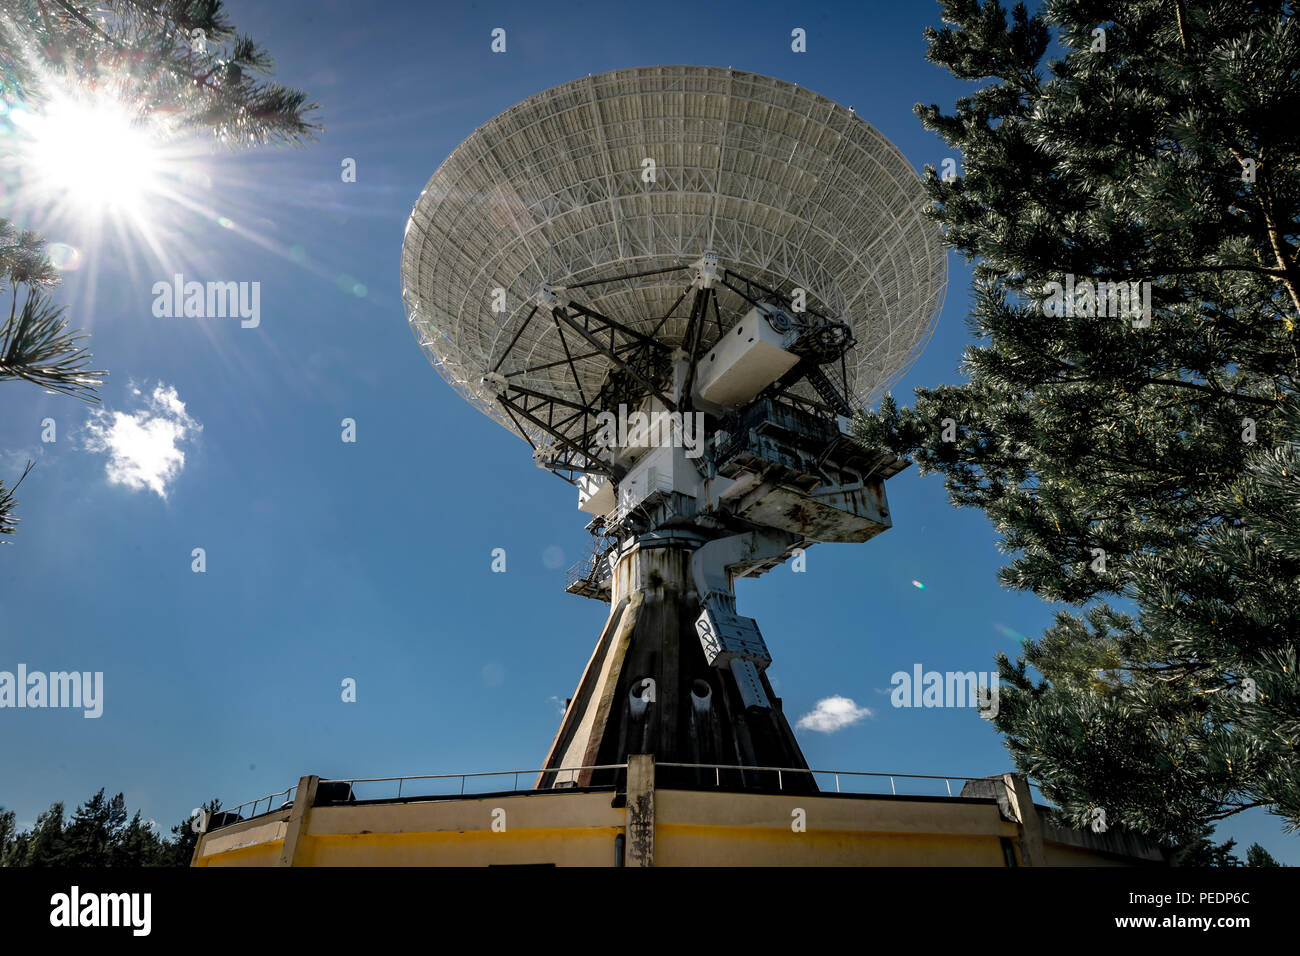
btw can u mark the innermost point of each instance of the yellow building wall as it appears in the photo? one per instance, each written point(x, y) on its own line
point(702, 828)
point(254, 843)
point(266, 854)
point(473, 848)
point(1058, 854)
point(565, 829)
point(692, 828)
point(735, 846)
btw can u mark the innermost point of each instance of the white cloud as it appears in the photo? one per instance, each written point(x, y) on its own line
point(143, 447)
point(832, 714)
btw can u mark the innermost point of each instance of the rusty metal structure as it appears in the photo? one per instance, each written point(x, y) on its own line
point(676, 284)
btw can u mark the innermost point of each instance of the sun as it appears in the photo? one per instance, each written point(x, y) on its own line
point(90, 153)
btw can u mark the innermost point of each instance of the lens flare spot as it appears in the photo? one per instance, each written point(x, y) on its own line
point(64, 257)
point(349, 284)
point(1010, 632)
point(918, 585)
point(553, 557)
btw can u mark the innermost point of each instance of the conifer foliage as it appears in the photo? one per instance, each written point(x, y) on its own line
point(1128, 190)
point(181, 61)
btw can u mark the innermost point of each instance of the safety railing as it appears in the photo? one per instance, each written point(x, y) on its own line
point(782, 773)
point(563, 775)
point(224, 817)
point(593, 567)
point(398, 788)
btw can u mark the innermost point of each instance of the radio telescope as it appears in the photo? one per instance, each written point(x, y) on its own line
point(676, 284)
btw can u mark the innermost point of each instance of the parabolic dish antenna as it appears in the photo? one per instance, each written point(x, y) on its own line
point(612, 197)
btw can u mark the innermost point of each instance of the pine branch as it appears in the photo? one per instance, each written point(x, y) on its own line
point(36, 346)
point(8, 523)
point(150, 45)
point(23, 258)
point(1238, 808)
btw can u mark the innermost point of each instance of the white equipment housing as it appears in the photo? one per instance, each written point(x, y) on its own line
point(595, 494)
point(750, 357)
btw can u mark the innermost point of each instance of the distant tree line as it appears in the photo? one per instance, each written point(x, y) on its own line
point(97, 835)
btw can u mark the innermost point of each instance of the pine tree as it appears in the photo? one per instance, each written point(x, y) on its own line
point(1202, 851)
point(1256, 855)
point(180, 66)
point(43, 845)
point(8, 830)
point(137, 844)
point(94, 829)
point(1151, 458)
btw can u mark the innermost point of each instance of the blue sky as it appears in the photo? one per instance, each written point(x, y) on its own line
point(371, 560)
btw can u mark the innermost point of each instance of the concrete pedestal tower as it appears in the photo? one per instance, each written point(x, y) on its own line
point(649, 686)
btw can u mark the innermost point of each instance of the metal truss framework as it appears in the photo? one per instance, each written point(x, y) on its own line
point(639, 367)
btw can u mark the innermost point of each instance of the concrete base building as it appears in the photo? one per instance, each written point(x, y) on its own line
point(991, 822)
